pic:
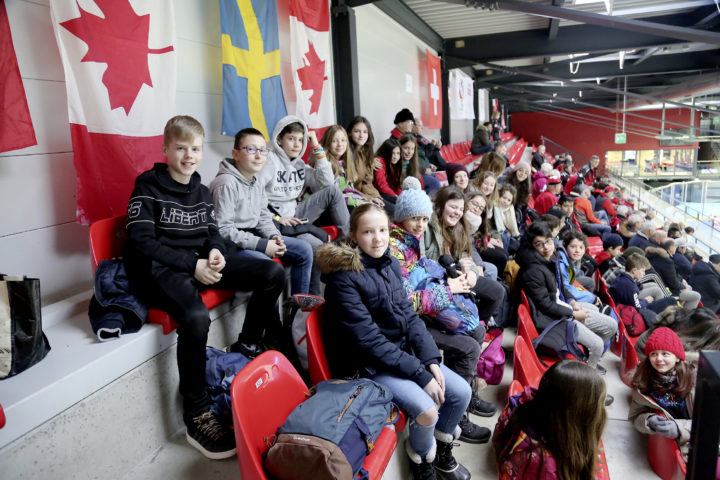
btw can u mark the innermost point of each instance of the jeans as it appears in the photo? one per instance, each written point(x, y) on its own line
point(601, 227)
point(595, 332)
point(412, 399)
point(178, 294)
point(299, 255)
point(602, 215)
point(432, 184)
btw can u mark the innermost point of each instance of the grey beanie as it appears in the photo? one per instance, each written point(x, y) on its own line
point(412, 203)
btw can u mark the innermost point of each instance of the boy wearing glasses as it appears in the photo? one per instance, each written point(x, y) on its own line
point(174, 251)
point(241, 210)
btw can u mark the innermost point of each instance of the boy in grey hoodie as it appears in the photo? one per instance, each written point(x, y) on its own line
point(242, 214)
point(286, 177)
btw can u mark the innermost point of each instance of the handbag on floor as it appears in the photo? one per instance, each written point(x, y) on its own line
point(22, 341)
point(491, 364)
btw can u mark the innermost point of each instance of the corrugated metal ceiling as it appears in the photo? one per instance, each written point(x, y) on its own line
point(451, 21)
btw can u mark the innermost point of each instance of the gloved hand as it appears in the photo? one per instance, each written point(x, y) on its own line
point(663, 426)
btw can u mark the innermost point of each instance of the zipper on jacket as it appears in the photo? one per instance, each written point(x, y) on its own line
point(349, 402)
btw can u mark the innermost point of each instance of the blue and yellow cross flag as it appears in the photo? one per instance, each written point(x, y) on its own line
point(252, 90)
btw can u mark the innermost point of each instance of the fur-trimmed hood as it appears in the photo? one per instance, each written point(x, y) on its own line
point(657, 251)
point(338, 257)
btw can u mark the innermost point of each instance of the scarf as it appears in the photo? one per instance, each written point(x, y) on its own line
point(661, 391)
point(473, 221)
point(505, 220)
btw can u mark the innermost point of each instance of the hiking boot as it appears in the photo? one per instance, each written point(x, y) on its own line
point(480, 407)
point(308, 303)
point(446, 467)
point(609, 399)
point(208, 435)
point(421, 468)
point(250, 350)
point(471, 433)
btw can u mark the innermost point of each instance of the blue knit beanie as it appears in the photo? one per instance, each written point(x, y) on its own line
point(412, 203)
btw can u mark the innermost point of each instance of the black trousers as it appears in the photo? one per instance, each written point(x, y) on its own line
point(178, 294)
point(489, 294)
point(460, 352)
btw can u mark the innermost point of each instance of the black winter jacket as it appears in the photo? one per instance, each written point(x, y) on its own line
point(683, 266)
point(114, 310)
point(706, 281)
point(660, 260)
point(370, 325)
point(537, 279)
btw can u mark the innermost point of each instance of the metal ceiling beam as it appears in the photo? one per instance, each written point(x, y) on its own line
point(608, 21)
point(534, 43)
point(656, 65)
point(598, 87)
point(406, 17)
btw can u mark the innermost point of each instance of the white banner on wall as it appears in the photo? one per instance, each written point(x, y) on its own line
point(461, 95)
point(483, 105)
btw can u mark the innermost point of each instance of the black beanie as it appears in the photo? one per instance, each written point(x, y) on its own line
point(403, 116)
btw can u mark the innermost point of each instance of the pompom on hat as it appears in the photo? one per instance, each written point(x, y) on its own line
point(665, 339)
point(412, 203)
point(411, 183)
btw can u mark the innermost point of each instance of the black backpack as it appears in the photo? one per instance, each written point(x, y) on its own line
point(558, 340)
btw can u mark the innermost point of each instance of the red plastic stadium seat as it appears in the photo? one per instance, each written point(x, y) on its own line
point(332, 233)
point(629, 359)
point(665, 458)
point(515, 388)
point(107, 237)
point(595, 246)
point(317, 359)
point(441, 177)
point(270, 380)
point(2, 417)
point(524, 365)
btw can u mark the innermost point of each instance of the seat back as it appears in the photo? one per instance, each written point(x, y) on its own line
point(317, 360)
point(263, 394)
point(515, 388)
point(107, 238)
point(525, 368)
point(629, 359)
point(526, 327)
point(665, 458)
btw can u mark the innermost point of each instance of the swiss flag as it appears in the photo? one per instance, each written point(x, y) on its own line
point(434, 74)
point(120, 70)
point(16, 128)
point(310, 57)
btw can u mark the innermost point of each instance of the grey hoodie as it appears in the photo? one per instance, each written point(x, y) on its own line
point(285, 179)
point(241, 208)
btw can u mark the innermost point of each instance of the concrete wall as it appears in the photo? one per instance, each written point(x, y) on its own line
point(39, 236)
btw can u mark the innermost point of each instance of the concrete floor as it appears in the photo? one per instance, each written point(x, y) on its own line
point(625, 448)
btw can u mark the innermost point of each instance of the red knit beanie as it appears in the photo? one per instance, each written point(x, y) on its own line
point(663, 338)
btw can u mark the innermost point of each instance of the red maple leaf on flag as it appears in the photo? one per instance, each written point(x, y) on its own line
point(312, 76)
point(121, 41)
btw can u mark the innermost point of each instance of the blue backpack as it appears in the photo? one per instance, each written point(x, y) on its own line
point(328, 435)
point(220, 370)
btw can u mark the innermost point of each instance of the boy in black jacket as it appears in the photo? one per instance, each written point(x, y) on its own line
point(174, 251)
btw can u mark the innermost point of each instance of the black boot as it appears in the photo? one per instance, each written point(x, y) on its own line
point(446, 466)
point(421, 468)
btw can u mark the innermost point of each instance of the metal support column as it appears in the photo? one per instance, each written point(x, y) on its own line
point(344, 38)
point(445, 131)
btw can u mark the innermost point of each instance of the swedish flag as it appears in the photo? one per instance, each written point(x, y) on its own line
point(252, 91)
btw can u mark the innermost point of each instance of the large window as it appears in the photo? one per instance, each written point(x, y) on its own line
point(666, 163)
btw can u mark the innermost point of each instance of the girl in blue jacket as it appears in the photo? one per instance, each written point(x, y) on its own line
point(372, 330)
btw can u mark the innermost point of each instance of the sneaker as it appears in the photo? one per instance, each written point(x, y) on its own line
point(609, 399)
point(601, 370)
point(471, 433)
point(208, 435)
point(250, 350)
point(480, 407)
point(308, 303)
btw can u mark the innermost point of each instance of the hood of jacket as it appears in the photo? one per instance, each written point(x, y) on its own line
point(527, 256)
point(332, 257)
point(277, 148)
point(651, 251)
point(160, 175)
point(227, 167)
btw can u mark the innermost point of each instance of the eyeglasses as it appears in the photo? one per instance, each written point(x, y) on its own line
point(546, 243)
point(476, 206)
point(252, 150)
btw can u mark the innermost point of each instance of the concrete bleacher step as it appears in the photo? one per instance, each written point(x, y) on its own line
point(91, 408)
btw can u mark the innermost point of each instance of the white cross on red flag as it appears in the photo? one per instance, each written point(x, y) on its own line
point(310, 57)
point(434, 79)
point(120, 69)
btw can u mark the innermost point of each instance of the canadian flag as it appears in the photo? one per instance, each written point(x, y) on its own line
point(120, 69)
point(434, 72)
point(310, 57)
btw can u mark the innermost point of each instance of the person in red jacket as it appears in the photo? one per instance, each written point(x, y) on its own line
point(584, 210)
point(549, 197)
